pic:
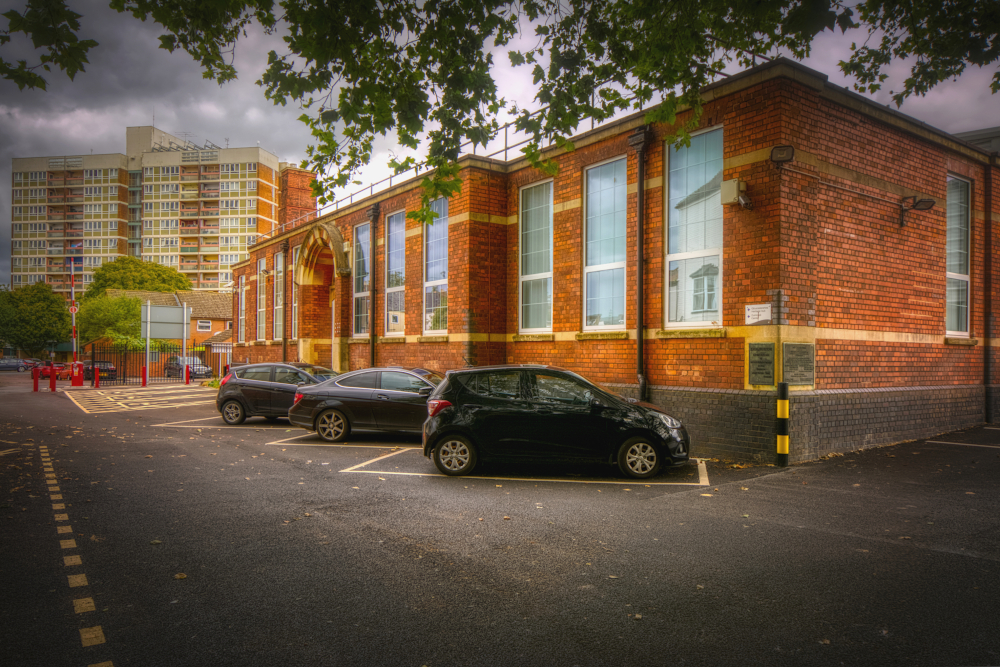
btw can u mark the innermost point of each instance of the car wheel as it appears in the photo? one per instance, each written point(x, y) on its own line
point(455, 455)
point(637, 457)
point(233, 413)
point(333, 426)
point(21, 369)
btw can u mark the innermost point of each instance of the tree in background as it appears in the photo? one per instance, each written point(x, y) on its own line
point(423, 68)
point(115, 318)
point(33, 317)
point(134, 274)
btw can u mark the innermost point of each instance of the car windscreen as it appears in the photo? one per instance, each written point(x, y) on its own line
point(432, 377)
point(600, 386)
point(320, 373)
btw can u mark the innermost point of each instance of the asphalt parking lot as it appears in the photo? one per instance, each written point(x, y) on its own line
point(293, 551)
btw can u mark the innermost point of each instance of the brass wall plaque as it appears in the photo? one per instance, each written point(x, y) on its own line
point(798, 363)
point(762, 363)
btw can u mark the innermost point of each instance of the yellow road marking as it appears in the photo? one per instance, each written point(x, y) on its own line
point(92, 636)
point(77, 580)
point(102, 664)
point(50, 475)
point(55, 496)
point(83, 605)
point(53, 488)
point(59, 506)
point(64, 529)
point(72, 560)
point(62, 517)
point(67, 544)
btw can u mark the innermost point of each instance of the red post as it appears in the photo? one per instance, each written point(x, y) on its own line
point(52, 378)
point(97, 376)
point(143, 376)
point(187, 374)
point(35, 372)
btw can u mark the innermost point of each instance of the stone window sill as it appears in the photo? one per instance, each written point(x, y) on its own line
point(534, 338)
point(602, 335)
point(432, 339)
point(392, 339)
point(691, 333)
point(948, 340)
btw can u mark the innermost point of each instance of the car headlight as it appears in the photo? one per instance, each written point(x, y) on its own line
point(668, 421)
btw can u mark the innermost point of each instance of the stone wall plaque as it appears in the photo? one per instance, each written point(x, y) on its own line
point(798, 363)
point(761, 364)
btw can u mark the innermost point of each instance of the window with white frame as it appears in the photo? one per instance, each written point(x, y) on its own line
point(395, 274)
point(241, 294)
point(251, 166)
point(147, 189)
point(295, 293)
point(957, 257)
point(204, 325)
point(362, 266)
point(604, 256)
point(251, 185)
point(436, 270)
point(147, 207)
point(261, 297)
point(279, 296)
point(694, 231)
point(535, 288)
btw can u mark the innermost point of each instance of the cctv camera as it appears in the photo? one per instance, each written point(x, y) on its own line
point(745, 202)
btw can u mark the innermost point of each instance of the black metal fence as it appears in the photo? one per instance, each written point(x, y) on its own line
point(120, 365)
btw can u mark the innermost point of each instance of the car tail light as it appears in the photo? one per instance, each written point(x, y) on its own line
point(437, 405)
point(298, 397)
point(224, 380)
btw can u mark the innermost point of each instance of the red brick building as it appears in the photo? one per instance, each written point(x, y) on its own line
point(807, 235)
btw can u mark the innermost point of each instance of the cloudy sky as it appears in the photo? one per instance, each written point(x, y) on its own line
point(130, 82)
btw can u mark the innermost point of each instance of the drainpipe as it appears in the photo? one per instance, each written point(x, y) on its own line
point(638, 140)
point(284, 302)
point(988, 311)
point(373, 217)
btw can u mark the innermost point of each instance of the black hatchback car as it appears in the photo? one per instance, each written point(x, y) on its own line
point(383, 399)
point(538, 413)
point(265, 390)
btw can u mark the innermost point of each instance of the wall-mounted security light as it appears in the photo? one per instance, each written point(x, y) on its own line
point(913, 204)
point(782, 154)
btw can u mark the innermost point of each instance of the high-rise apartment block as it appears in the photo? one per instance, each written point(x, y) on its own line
point(166, 200)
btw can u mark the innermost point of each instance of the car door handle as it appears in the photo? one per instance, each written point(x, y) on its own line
point(382, 397)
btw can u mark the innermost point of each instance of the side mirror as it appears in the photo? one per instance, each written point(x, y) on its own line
point(596, 405)
point(425, 391)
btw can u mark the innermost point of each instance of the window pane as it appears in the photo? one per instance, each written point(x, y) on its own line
point(536, 304)
point(693, 285)
point(395, 307)
point(360, 314)
point(396, 250)
point(957, 308)
point(958, 228)
point(436, 244)
point(606, 298)
point(536, 229)
point(361, 251)
point(606, 200)
point(436, 308)
point(553, 389)
point(695, 204)
point(362, 380)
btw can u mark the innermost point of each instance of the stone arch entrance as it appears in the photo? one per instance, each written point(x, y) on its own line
point(321, 261)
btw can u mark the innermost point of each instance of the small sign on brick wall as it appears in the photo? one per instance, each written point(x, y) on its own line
point(758, 314)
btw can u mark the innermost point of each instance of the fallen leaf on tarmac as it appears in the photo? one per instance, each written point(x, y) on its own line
point(307, 514)
point(707, 495)
point(246, 478)
point(864, 551)
point(824, 641)
point(499, 485)
point(155, 542)
point(698, 587)
point(506, 518)
point(638, 617)
point(180, 575)
point(382, 478)
point(480, 518)
point(149, 456)
point(970, 493)
point(904, 537)
point(857, 485)
point(746, 516)
point(612, 576)
point(804, 483)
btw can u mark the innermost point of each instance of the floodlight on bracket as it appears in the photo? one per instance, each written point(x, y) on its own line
point(913, 204)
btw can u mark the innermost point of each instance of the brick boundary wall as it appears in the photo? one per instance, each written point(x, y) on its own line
point(739, 424)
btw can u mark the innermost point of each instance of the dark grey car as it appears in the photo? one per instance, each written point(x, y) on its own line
point(13, 364)
point(265, 390)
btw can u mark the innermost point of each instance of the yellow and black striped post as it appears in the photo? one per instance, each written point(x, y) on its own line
point(782, 426)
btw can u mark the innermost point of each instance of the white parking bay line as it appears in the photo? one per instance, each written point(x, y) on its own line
point(702, 475)
point(960, 444)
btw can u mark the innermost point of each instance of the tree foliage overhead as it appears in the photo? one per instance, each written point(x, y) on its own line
point(424, 68)
point(33, 317)
point(134, 274)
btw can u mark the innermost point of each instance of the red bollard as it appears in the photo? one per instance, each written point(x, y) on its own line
point(187, 374)
point(52, 378)
point(35, 372)
point(143, 376)
point(97, 377)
